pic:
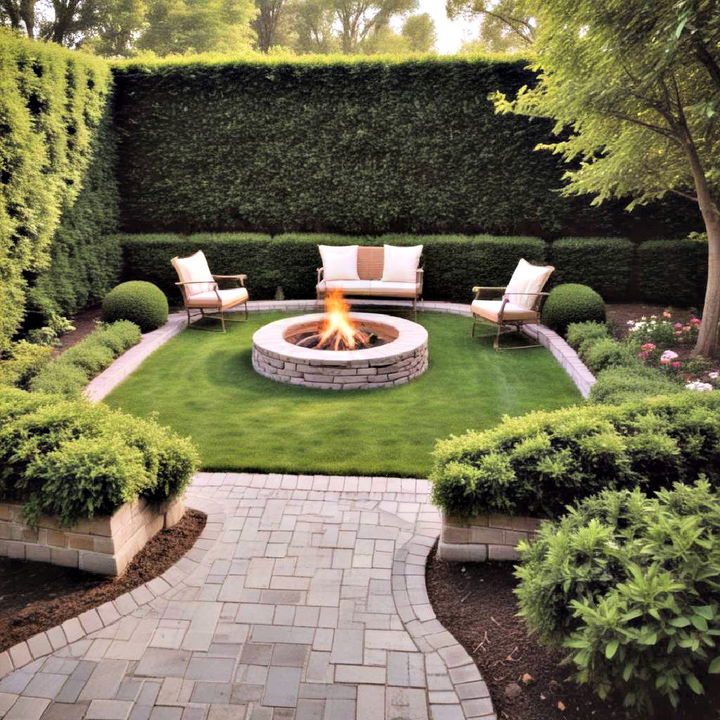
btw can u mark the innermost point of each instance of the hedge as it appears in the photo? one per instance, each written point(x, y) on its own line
point(539, 463)
point(74, 460)
point(605, 264)
point(356, 146)
point(673, 272)
point(52, 102)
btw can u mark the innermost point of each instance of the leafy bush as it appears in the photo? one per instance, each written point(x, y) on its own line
point(139, 302)
point(603, 263)
point(673, 272)
point(539, 463)
point(606, 353)
point(23, 361)
point(75, 460)
point(52, 103)
point(572, 303)
point(617, 385)
point(69, 374)
point(580, 333)
point(659, 331)
point(628, 585)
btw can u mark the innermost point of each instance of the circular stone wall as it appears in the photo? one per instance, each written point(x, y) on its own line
point(394, 363)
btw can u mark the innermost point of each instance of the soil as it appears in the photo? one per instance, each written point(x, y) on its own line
point(475, 602)
point(37, 596)
point(85, 322)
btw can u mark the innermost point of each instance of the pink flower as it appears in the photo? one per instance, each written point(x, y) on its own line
point(666, 314)
point(648, 346)
point(686, 328)
point(695, 321)
point(678, 326)
point(667, 357)
point(678, 332)
point(676, 364)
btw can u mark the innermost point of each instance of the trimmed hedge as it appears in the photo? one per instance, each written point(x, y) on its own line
point(69, 374)
point(539, 463)
point(617, 385)
point(139, 302)
point(351, 145)
point(52, 102)
point(22, 362)
point(605, 264)
point(74, 460)
point(453, 263)
point(673, 272)
point(572, 303)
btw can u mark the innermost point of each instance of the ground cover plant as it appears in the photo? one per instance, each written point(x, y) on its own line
point(203, 384)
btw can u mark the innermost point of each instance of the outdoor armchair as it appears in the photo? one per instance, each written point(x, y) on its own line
point(521, 302)
point(201, 291)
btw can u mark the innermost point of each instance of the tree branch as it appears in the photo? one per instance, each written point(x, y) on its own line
point(688, 196)
point(704, 56)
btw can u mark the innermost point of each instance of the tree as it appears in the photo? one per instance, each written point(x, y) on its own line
point(419, 31)
point(634, 89)
point(505, 26)
point(359, 18)
point(267, 23)
point(312, 21)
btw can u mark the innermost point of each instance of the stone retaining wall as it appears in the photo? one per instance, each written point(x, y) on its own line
point(103, 545)
point(485, 537)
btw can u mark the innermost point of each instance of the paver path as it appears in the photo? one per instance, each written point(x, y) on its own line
point(304, 599)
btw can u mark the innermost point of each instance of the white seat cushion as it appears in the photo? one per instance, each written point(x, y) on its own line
point(339, 261)
point(490, 310)
point(229, 298)
point(394, 289)
point(193, 269)
point(400, 264)
point(350, 287)
point(527, 278)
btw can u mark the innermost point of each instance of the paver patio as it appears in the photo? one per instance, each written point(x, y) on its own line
point(304, 599)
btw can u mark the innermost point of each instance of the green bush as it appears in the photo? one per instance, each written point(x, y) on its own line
point(572, 303)
point(673, 272)
point(539, 463)
point(603, 263)
point(52, 103)
point(23, 361)
point(580, 333)
point(75, 460)
point(617, 385)
point(627, 584)
point(139, 302)
point(606, 353)
point(68, 374)
point(351, 145)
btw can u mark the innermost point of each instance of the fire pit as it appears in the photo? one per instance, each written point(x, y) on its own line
point(339, 350)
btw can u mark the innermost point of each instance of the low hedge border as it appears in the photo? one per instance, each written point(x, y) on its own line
point(617, 268)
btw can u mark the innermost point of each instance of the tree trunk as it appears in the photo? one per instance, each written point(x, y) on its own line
point(707, 342)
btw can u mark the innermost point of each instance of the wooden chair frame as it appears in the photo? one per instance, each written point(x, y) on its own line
point(218, 313)
point(507, 326)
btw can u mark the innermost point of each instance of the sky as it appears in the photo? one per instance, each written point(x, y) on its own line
point(451, 33)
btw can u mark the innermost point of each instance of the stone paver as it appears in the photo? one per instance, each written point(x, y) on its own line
point(303, 599)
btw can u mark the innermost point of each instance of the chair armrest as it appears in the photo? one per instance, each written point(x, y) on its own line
point(419, 277)
point(478, 289)
point(200, 282)
point(242, 278)
point(539, 298)
point(320, 273)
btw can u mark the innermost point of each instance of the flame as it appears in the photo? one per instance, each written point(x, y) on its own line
point(338, 328)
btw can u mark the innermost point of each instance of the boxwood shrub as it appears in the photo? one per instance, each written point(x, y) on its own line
point(583, 333)
point(608, 353)
point(617, 385)
point(138, 301)
point(539, 463)
point(75, 460)
point(572, 303)
point(627, 585)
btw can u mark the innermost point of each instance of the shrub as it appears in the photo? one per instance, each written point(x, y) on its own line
point(673, 272)
point(659, 331)
point(539, 463)
point(606, 353)
point(137, 301)
point(627, 584)
point(24, 361)
point(118, 336)
point(617, 385)
point(60, 378)
point(604, 263)
point(75, 460)
point(89, 356)
point(572, 303)
point(580, 333)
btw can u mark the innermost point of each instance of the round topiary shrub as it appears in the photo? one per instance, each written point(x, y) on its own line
point(138, 301)
point(572, 303)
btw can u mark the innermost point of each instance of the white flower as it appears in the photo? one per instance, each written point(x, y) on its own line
point(698, 386)
point(714, 375)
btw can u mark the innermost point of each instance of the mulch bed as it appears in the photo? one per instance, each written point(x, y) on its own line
point(85, 322)
point(475, 602)
point(37, 596)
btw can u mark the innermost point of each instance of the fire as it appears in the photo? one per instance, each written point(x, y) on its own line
point(338, 330)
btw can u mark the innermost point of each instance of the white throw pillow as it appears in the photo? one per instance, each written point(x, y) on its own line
point(527, 278)
point(339, 261)
point(195, 268)
point(400, 264)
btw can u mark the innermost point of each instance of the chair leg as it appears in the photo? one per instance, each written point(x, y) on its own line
point(187, 310)
point(222, 320)
point(496, 342)
point(415, 308)
point(246, 309)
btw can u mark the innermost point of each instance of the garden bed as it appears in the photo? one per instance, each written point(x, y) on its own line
point(475, 602)
point(37, 596)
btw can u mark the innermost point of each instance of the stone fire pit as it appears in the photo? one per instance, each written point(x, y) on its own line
point(402, 357)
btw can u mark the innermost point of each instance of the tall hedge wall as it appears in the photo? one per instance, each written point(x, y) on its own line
point(52, 102)
point(352, 146)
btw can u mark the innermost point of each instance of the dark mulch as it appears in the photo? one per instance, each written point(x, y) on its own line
point(37, 596)
point(85, 322)
point(475, 602)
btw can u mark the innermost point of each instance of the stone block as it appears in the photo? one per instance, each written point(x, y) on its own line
point(502, 552)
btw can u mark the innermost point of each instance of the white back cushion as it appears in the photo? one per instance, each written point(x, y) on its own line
point(193, 269)
point(527, 278)
point(400, 264)
point(339, 261)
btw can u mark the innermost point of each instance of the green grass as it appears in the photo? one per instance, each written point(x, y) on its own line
point(202, 384)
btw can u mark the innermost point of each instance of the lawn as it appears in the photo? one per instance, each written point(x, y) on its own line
point(202, 384)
